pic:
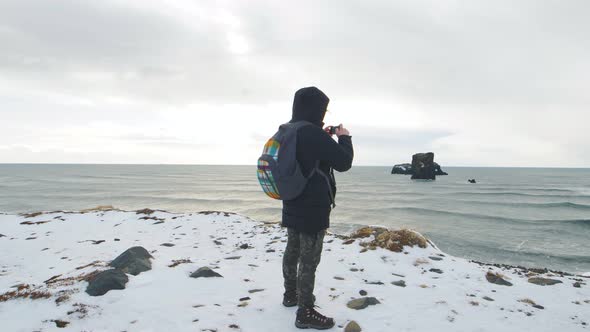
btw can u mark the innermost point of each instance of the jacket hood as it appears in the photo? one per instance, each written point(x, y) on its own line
point(310, 104)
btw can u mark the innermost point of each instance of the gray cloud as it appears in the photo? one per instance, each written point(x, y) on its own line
point(69, 63)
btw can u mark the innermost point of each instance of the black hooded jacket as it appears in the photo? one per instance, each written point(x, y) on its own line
point(310, 212)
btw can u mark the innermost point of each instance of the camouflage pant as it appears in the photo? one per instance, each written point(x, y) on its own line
point(304, 250)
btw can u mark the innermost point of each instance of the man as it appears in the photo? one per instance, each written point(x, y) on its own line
point(308, 216)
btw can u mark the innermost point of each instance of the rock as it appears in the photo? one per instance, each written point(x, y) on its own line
point(439, 271)
point(205, 272)
point(247, 298)
point(362, 303)
point(496, 279)
point(106, 281)
point(244, 246)
point(363, 292)
point(338, 278)
point(2, 235)
point(252, 291)
point(435, 258)
point(423, 166)
point(487, 298)
point(352, 326)
point(233, 257)
point(577, 284)
point(399, 283)
point(167, 245)
point(544, 281)
point(471, 181)
point(538, 306)
point(61, 323)
point(407, 169)
point(133, 261)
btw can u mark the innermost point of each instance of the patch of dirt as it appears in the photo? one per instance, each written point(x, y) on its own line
point(177, 262)
point(25, 291)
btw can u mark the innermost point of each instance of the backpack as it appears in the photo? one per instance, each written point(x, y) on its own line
point(278, 171)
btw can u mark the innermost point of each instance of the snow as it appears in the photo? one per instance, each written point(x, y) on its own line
point(167, 299)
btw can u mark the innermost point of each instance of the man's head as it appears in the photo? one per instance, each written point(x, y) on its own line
point(310, 104)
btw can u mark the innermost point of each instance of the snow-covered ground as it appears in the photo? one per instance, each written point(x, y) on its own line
point(167, 299)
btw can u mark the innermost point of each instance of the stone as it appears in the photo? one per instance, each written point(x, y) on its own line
point(363, 292)
point(205, 272)
point(538, 306)
point(167, 245)
point(362, 303)
point(496, 279)
point(106, 281)
point(577, 284)
point(352, 326)
point(407, 169)
point(435, 258)
point(133, 261)
point(544, 281)
point(399, 283)
point(487, 298)
point(439, 271)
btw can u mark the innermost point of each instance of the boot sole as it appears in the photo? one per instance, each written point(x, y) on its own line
point(289, 305)
point(310, 326)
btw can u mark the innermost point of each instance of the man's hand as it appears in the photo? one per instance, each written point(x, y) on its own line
point(342, 131)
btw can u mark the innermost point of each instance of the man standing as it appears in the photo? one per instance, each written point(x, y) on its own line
point(308, 216)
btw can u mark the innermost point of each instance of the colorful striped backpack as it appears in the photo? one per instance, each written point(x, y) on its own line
point(278, 171)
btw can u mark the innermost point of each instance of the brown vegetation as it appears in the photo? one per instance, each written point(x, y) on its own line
point(25, 291)
point(393, 240)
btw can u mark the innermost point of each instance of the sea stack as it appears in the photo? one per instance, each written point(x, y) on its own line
point(423, 166)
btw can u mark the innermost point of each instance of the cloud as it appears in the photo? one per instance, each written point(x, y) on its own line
point(478, 82)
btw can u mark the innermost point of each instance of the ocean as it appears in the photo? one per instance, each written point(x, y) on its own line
point(535, 217)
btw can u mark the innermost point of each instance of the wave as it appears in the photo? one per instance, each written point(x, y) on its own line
point(483, 216)
point(535, 205)
point(513, 193)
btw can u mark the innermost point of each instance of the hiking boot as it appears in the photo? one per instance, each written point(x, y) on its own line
point(309, 318)
point(290, 299)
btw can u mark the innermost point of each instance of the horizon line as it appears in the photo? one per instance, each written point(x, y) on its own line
point(364, 165)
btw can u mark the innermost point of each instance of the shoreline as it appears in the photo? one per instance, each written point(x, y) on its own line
point(381, 279)
point(103, 208)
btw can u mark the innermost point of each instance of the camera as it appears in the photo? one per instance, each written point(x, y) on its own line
point(332, 129)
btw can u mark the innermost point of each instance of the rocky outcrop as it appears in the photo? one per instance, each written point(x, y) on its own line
point(416, 168)
point(133, 261)
point(423, 166)
point(205, 272)
point(106, 281)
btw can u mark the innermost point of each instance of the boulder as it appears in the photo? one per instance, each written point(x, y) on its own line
point(497, 279)
point(352, 327)
point(106, 281)
point(544, 281)
point(133, 261)
point(205, 272)
point(362, 303)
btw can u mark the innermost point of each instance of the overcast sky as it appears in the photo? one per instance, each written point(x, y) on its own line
point(480, 83)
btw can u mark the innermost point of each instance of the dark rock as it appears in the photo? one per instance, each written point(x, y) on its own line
point(538, 306)
point(400, 283)
point(233, 257)
point(338, 278)
point(577, 284)
point(407, 169)
point(471, 181)
point(423, 166)
point(435, 258)
point(133, 261)
point(373, 282)
point(245, 299)
point(2, 235)
point(117, 239)
point(496, 279)
point(167, 245)
point(439, 271)
point(252, 291)
point(362, 303)
point(363, 292)
point(487, 298)
point(244, 246)
point(205, 272)
point(61, 323)
point(106, 281)
point(352, 326)
point(544, 281)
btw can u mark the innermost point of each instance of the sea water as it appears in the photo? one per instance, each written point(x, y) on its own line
point(536, 217)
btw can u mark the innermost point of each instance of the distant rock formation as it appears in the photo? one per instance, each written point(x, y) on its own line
point(422, 167)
